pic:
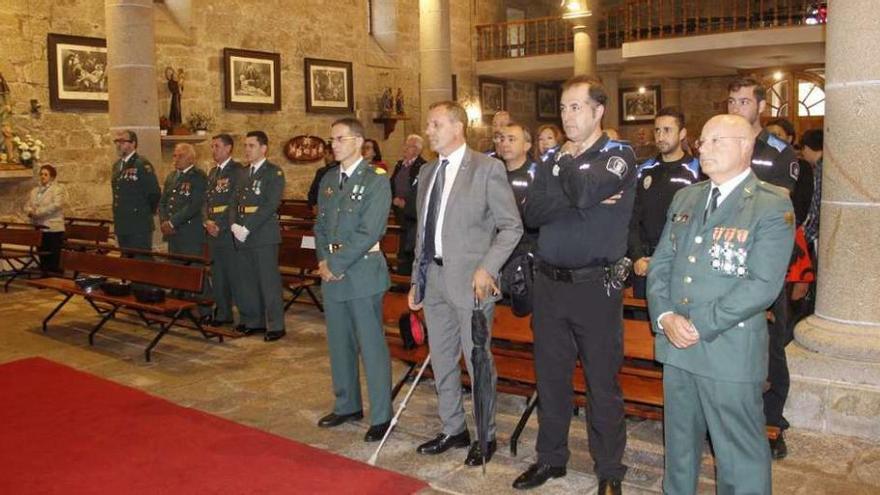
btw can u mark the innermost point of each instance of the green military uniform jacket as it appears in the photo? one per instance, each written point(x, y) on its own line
point(222, 185)
point(135, 195)
point(256, 204)
point(182, 198)
point(353, 218)
point(722, 276)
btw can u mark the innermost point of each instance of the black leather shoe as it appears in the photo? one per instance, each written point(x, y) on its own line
point(273, 336)
point(609, 486)
point(778, 449)
point(333, 419)
point(537, 475)
point(211, 322)
point(442, 442)
point(249, 331)
point(475, 457)
point(376, 432)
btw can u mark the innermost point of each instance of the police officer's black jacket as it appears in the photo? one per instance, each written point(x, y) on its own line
point(520, 181)
point(576, 230)
point(658, 182)
point(774, 161)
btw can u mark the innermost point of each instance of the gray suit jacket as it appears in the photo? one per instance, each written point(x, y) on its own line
point(481, 226)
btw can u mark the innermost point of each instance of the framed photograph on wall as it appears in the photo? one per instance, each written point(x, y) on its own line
point(77, 72)
point(252, 80)
point(329, 86)
point(493, 94)
point(639, 105)
point(547, 102)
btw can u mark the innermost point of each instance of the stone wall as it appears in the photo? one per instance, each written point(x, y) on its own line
point(79, 142)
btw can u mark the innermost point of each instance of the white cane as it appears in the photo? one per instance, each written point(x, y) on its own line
point(375, 456)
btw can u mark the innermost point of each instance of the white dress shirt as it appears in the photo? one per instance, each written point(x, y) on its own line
point(256, 166)
point(455, 159)
point(725, 189)
point(221, 166)
point(349, 170)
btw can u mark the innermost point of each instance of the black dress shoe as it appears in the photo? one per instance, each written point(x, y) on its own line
point(376, 432)
point(609, 486)
point(778, 449)
point(272, 336)
point(248, 331)
point(442, 442)
point(537, 475)
point(475, 457)
point(333, 419)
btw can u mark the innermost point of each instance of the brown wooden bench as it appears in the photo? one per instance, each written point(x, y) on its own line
point(640, 376)
point(19, 248)
point(86, 233)
point(298, 266)
point(172, 312)
point(295, 209)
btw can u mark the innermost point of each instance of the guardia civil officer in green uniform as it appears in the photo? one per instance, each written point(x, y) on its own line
point(135, 194)
point(222, 181)
point(720, 263)
point(353, 210)
point(257, 236)
point(180, 211)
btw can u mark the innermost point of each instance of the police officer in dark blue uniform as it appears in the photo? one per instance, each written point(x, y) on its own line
point(659, 179)
point(773, 161)
point(577, 300)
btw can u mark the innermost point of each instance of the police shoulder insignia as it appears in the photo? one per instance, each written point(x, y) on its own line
point(647, 182)
point(148, 168)
point(379, 171)
point(555, 170)
point(789, 218)
point(794, 170)
point(280, 173)
point(617, 166)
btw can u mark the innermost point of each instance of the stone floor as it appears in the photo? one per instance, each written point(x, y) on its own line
point(284, 387)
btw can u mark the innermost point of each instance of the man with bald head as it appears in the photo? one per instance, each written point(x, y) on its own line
point(720, 262)
point(180, 208)
point(404, 188)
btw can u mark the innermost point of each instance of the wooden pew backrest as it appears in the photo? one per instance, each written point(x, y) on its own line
point(166, 275)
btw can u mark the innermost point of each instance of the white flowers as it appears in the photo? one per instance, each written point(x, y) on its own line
point(28, 148)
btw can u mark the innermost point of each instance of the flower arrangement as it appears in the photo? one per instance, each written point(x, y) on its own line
point(199, 121)
point(28, 148)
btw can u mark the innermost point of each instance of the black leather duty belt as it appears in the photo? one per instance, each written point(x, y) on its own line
point(571, 275)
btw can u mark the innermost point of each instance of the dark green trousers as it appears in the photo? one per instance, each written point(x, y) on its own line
point(352, 326)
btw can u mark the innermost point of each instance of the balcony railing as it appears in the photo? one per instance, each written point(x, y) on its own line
point(639, 20)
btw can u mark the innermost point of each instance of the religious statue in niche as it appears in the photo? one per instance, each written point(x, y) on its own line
point(387, 102)
point(398, 102)
point(175, 86)
point(8, 150)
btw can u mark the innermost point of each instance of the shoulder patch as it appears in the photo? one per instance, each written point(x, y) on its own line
point(613, 145)
point(647, 165)
point(789, 218)
point(148, 168)
point(379, 171)
point(693, 167)
point(794, 170)
point(617, 166)
point(776, 143)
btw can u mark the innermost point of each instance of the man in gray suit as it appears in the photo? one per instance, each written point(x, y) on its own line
point(720, 262)
point(468, 225)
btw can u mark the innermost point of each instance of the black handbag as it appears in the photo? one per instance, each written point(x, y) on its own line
point(89, 283)
point(517, 282)
point(116, 289)
point(149, 295)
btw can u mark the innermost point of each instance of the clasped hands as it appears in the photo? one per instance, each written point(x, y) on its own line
point(212, 228)
point(240, 232)
point(679, 330)
point(166, 227)
point(325, 273)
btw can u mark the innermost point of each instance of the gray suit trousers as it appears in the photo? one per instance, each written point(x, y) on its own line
point(449, 334)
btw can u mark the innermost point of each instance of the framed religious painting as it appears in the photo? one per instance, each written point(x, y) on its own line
point(492, 96)
point(639, 105)
point(252, 80)
point(77, 72)
point(547, 102)
point(329, 86)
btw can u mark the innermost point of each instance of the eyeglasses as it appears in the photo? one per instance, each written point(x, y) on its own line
point(340, 139)
point(740, 102)
point(120, 141)
point(576, 107)
point(702, 142)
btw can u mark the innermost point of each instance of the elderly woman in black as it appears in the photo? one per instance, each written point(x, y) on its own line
point(45, 207)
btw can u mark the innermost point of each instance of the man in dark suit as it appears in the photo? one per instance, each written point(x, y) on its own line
point(468, 225)
point(135, 194)
point(720, 263)
point(257, 235)
point(223, 179)
point(404, 188)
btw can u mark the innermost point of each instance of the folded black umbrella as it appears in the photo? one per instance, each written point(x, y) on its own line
point(481, 382)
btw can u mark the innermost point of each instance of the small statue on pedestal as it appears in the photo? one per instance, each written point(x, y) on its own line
point(387, 102)
point(398, 102)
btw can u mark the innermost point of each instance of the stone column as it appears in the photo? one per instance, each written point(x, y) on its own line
point(434, 54)
point(584, 51)
point(611, 81)
point(131, 69)
point(847, 319)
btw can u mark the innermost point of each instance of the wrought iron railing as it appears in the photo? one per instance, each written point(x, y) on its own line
point(638, 20)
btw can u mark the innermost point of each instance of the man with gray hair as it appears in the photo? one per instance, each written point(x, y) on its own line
point(404, 187)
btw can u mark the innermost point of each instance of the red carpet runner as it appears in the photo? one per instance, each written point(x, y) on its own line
point(65, 431)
